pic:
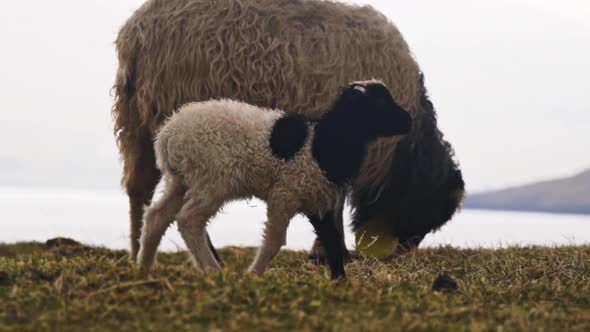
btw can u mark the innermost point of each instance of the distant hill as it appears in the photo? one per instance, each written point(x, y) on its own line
point(568, 195)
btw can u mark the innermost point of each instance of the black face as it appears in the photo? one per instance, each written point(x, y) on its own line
point(377, 111)
point(424, 187)
point(361, 113)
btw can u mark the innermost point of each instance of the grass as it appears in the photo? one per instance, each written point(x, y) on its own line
point(71, 287)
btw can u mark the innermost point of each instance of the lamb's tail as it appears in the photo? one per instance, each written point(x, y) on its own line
point(162, 150)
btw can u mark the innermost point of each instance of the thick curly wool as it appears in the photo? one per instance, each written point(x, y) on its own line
point(273, 53)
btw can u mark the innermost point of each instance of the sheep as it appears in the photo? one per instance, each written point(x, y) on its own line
point(222, 150)
point(290, 55)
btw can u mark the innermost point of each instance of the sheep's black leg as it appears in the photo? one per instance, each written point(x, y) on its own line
point(217, 258)
point(332, 242)
point(318, 252)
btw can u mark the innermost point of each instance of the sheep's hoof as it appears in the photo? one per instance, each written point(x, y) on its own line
point(339, 278)
point(254, 272)
point(143, 271)
point(143, 267)
point(318, 255)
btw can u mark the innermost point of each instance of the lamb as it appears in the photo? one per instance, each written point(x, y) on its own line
point(217, 151)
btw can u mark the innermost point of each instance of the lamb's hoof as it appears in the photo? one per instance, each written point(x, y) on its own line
point(133, 257)
point(318, 255)
point(143, 267)
point(143, 271)
point(211, 270)
point(339, 279)
point(252, 271)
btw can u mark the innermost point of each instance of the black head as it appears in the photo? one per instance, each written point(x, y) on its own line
point(362, 112)
point(424, 187)
point(371, 107)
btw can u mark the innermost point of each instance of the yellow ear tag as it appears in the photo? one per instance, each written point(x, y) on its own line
point(374, 241)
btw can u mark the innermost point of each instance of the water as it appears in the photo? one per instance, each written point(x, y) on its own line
point(100, 218)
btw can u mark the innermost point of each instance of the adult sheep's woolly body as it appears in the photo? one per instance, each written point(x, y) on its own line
point(275, 53)
point(288, 54)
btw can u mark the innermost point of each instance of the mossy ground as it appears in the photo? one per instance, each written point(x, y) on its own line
point(72, 287)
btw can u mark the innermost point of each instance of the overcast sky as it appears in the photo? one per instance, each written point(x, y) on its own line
point(510, 80)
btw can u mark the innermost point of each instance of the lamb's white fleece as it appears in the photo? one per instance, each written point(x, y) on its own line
point(221, 147)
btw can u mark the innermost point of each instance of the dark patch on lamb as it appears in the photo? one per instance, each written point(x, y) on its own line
point(359, 115)
point(288, 136)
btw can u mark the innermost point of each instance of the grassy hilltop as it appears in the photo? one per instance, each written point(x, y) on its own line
point(77, 288)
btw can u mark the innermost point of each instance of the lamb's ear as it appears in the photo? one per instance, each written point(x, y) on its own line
point(381, 94)
point(389, 117)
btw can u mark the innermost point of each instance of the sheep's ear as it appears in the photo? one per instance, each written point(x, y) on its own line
point(403, 121)
point(381, 94)
point(389, 118)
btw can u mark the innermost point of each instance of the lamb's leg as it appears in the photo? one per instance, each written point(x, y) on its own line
point(275, 235)
point(318, 252)
point(192, 221)
point(156, 220)
point(332, 242)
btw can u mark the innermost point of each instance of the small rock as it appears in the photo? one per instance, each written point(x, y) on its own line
point(61, 242)
point(4, 278)
point(444, 282)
